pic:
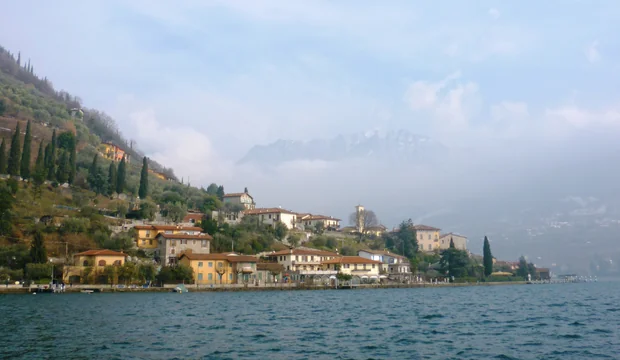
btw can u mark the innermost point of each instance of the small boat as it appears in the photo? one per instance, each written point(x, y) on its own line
point(87, 291)
point(180, 288)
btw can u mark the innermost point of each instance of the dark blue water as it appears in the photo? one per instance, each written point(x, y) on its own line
point(570, 321)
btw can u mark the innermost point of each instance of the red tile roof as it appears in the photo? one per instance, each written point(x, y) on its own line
point(320, 217)
point(303, 252)
point(230, 257)
point(102, 252)
point(167, 227)
point(267, 211)
point(452, 234)
point(383, 252)
point(185, 236)
point(425, 228)
point(238, 195)
point(193, 216)
point(351, 260)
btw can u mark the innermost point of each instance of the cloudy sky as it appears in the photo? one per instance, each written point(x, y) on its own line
point(197, 83)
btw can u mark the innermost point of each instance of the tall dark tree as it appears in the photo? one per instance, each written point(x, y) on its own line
point(15, 154)
point(62, 172)
point(2, 106)
point(72, 165)
point(143, 191)
point(19, 58)
point(220, 192)
point(487, 257)
point(96, 177)
point(3, 158)
point(454, 262)
point(523, 269)
point(51, 160)
point(245, 190)
point(38, 176)
point(38, 253)
point(212, 189)
point(452, 243)
point(120, 177)
point(112, 177)
point(26, 153)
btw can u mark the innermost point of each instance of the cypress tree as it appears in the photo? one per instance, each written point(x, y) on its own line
point(26, 153)
point(3, 158)
point(51, 164)
point(120, 177)
point(72, 165)
point(112, 177)
point(38, 253)
point(62, 173)
point(143, 191)
point(19, 58)
point(452, 243)
point(487, 257)
point(46, 158)
point(39, 167)
point(15, 154)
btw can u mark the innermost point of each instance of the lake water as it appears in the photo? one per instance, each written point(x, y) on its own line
point(568, 321)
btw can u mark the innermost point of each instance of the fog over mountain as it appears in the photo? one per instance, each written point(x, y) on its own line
point(557, 202)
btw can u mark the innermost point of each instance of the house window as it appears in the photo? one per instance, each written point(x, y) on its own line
point(421, 237)
point(173, 243)
point(101, 263)
point(429, 236)
point(210, 264)
point(229, 276)
point(204, 243)
point(194, 242)
point(210, 276)
point(373, 266)
point(364, 266)
point(311, 258)
point(200, 264)
point(150, 241)
point(148, 233)
point(270, 216)
point(430, 247)
point(172, 251)
point(199, 277)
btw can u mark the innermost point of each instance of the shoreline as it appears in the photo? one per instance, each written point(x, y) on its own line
point(237, 288)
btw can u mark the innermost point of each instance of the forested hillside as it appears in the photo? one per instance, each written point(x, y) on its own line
point(56, 181)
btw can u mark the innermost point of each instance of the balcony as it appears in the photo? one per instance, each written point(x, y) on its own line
point(317, 272)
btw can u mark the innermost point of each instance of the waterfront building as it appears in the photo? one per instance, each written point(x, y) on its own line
point(223, 268)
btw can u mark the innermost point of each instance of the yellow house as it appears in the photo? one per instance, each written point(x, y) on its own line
point(146, 234)
point(428, 237)
point(94, 261)
point(226, 268)
point(113, 152)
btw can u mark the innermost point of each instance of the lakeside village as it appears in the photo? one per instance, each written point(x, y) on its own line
point(180, 253)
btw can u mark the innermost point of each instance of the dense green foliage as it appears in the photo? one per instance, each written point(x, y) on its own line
point(3, 163)
point(173, 274)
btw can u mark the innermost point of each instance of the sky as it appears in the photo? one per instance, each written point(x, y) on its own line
point(198, 83)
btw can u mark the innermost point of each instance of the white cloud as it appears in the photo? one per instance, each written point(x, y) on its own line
point(494, 13)
point(579, 118)
point(449, 103)
point(185, 149)
point(592, 53)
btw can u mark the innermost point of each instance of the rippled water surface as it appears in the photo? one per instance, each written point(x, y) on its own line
point(570, 321)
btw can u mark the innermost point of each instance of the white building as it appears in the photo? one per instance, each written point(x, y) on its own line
point(243, 198)
point(392, 263)
point(271, 216)
point(354, 265)
point(305, 261)
point(310, 221)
